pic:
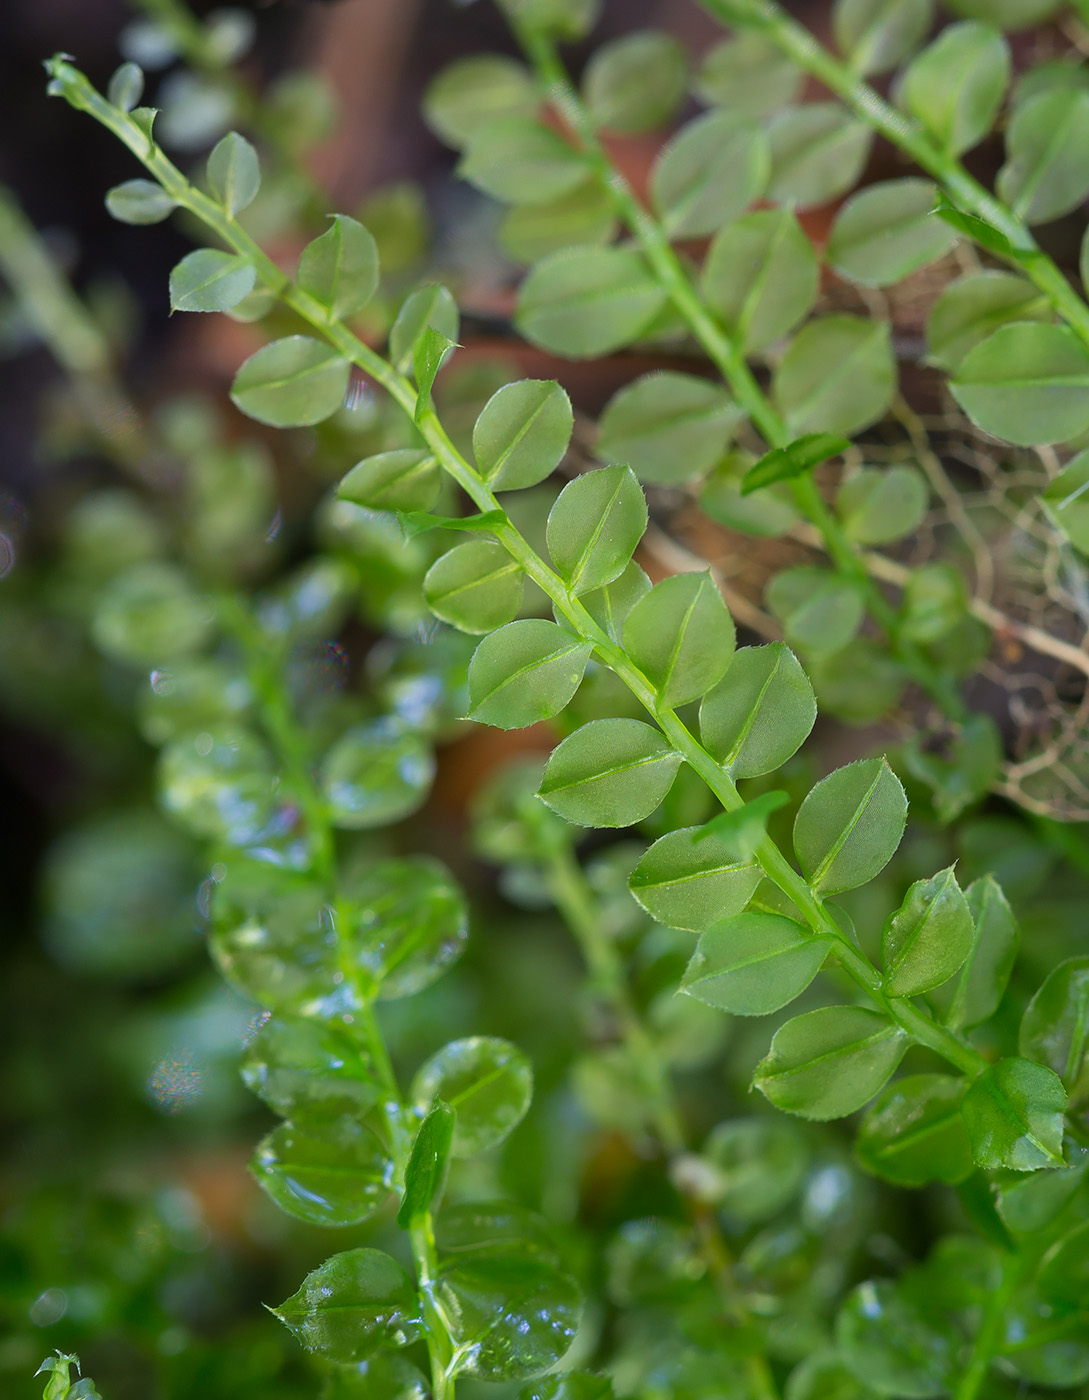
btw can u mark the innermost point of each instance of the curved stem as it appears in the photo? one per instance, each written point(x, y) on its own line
point(965, 192)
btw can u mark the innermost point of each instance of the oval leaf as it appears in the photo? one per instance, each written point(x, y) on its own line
point(353, 1304)
point(688, 883)
point(761, 276)
point(838, 376)
point(611, 772)
point(586, 302)
point(681, 636)
point(955, 87)
point(522, 433)
point(709, 173)
point(888, 231)
point(594, 527)
point(332, 1173)
point(830, 1062)
point(1055, 1026)
point(1027, 384)
point(752, 964)
point(668, 427)
point(486, 1081)
point(849, 825)
point(209, 280)
point(928, 938)
point(1014, 1116)
point(291, 382)
point(760, 713)
point(914, 1132)
point(525, 672)
point(476, 587)
point(340, 269)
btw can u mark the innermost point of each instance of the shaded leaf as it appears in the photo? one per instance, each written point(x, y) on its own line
point(914, 1132)
point(830, 1062)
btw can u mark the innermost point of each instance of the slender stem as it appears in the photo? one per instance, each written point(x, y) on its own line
point(965, 192)
point(952, 1047)
point(989, 1337)
point(728, 358)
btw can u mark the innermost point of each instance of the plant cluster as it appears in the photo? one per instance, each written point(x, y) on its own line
point(748, 887)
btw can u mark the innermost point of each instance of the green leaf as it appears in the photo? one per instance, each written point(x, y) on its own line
point(770, 512)
point(555, 19)
point(709, 173)
point(1007, 14)
point(149, 613)
point(431, 351)
point(522, 433)
point(824, 1375)
point(234, 173)
point(830, 1062)
point(879, 505)
point(838, 375)
point(386, 1376)
point(304, 1066)
point(594, 527)
point(799, 457)
point(139, 202)
point(524, 673)
point(569, 1385)
point(1028, 1204)
point(742, 830)
point(220, 785)
point(760, 713)
point(291, 382)
point(489, 1229)
point(1014, 1116)
point(353, 1304)
point(1066, 501)
point(510, 1318)
point(752, 964)
point(635, 83)
point(818, 151)
point(486, 1081)
point(406, 479)
point(876, 35)
point(748, 75)
point(428, 1162)
point(954, 89)
point(890, 1345)
point(429, 306)
point(611, 772)
point(668, 427)
point(934, 602)
point(886, 232)
point(421, 522)
point(340, 268)
point(681, 636)
point(914, 1132)
point(330, 1173)
point(928, 938)
point(688, 883)
point(530, 232)
point(474, 91)
point(758, 1166)
point(408, 922)
point(1055, 1026)
point(974, 228)
point(610, 604)
point(209, 280)
point(820, 611)
point(849, 825)
point(761, 277)
point(586, 302)
point(519, 160)
point(1046, 173)
point(972, 997)
point(376, 773)
point(126, 86)
point(476, 586)
point(1064, 1272)
point(1027, 384)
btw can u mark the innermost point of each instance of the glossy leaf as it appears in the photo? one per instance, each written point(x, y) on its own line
point(409, 922)
point(522, 433)
point(428, 1162)
point(375, 774)
point(219, 785)
point(139, 202)
point(1029, 1203)
point(688, 883)
point(1055, 1026)
point(1047, 156)
point(569, 1385)
point(1066, 501)
point(819, 610)
point(476, 587)
point(479, 1229)
point(486, 1081)
point(586, 302)
point(524, 673)
point(955, 87)
point(384, 1376)
point(474, 91)
point(890, 1345)
point(973, 996)
point(407, 478)
point(928, 938)
point(1026, 383)
point(234, 173)
point(761, 277)
point(668, 427)
point(520, 160)
point(914, 1132)
point(209, 280)
point(818, 151)
point(709, 173)
point(353, 1304)
point(760, 713)
point(838, 376)
point(594, 527)
point(302, 1066)
point(428, 306)
point(611, 772)
point(849, 825)
point(1014, 1116)
point(681, 636)
point(291, 382)
point(331, 1173)
point(340, 268)
point(876, 35)
point(878, 506)
point(635, 83)
point(887, 231)
point(972, 307)
point(748, 75)
point(830, 1062)
point(753, 963)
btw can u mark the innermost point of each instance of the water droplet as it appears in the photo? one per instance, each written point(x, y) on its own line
point(203, 744)
point(49, 1307)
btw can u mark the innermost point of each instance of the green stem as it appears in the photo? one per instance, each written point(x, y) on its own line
point(965, 192)
point(989, 1337)
point(729, 360)
point(75, 87)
